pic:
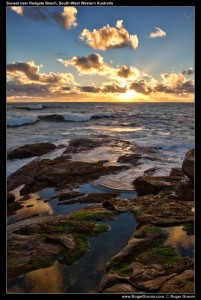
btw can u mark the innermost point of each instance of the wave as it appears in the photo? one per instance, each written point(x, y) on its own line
point(35, 107)
point(32, 119)
point(31, 107)
point(21, 120)
point(74, 117)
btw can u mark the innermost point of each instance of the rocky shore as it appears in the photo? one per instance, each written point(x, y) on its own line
point(147, 263)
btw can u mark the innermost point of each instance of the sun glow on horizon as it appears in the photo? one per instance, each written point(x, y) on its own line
point(130, 95)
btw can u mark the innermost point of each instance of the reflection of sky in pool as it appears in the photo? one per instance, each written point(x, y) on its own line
point(85, 274)
point(180, 240)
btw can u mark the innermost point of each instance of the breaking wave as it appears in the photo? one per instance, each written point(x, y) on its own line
point(32, 119)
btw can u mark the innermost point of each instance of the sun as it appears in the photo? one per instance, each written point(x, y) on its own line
point(130, 95)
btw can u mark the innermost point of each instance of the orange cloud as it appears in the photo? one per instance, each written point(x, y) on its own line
point(26, 82)
point(113, 87)
point(173, 79)
point(90, 64)
point(28, 72)
point(94, 64)
point(141, 86)
point(127, 72)
point(158, 33)
point(18, 9)
point(109, 37)
point(175, 83)
point(66, 19)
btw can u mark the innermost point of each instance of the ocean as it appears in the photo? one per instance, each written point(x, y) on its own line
point(168, 127)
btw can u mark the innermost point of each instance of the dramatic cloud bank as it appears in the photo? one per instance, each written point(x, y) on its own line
point(28, 71)
point(109, 37)
point(25, 81)
point(94, 64)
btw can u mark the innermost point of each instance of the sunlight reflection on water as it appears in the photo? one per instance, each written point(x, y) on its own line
point(180, 240)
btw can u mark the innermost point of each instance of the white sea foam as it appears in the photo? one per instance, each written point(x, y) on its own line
point(35, 107)
point(21, 120)
point(73, 117)
point(13, 121)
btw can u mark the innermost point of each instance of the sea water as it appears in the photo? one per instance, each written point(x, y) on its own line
point(167, 127)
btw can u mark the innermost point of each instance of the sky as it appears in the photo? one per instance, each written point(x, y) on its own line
point(100, 53)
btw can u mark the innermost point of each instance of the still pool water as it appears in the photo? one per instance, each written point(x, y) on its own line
point(83, 276)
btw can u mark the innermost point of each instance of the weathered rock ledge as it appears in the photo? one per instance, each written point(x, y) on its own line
point(146, 264)
point(38, 243)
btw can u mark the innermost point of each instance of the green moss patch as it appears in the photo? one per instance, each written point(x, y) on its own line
point(165, 255)
point(100, 228)
point(150, 229)
point(81, 249)
point(56, 227)
point(86, 215)
point(123, 269)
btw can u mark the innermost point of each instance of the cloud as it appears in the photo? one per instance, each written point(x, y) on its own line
point(38, 90)
point(113, 87)
point(18, 9)
point(89, 89)
point(126, 72)
point(109, 37)
point(25, 81)
point(65, 88)
point(173, 79)
point(161, 88)
point(141, 87)
point(33, 13)
point(158, 33)
point(187, 87)
point(31, 89)
point(29, 72)
point(92, 63)
point(66, 19)
point(175, 83)
point(189, 71)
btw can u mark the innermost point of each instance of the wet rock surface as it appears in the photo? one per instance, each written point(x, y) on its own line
point(188, 164)
point(146, 185)
point(146, 264)
point(86, 198)
point(33, 245)
point(13, 207)
point(30, 150)
point(79, 145)
point(162, 210)
point(59, 172)
point(10, 198)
